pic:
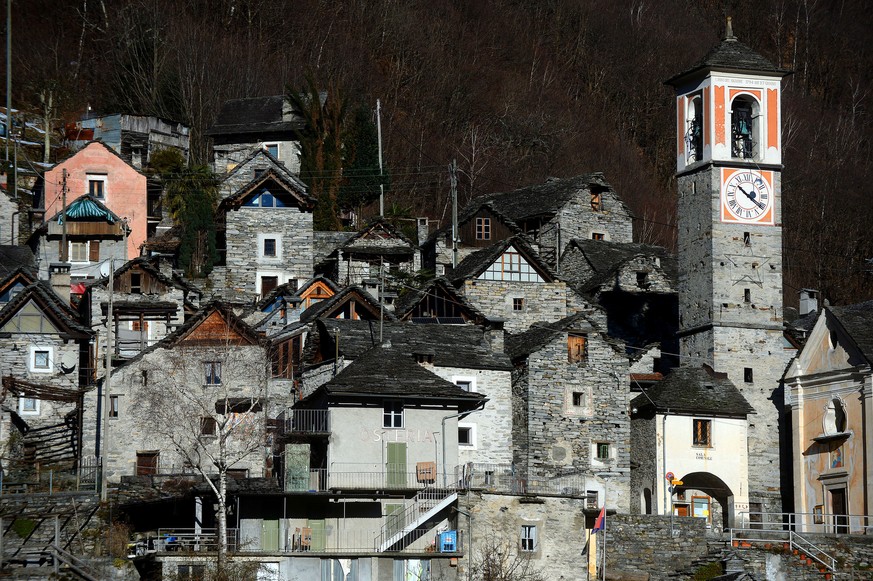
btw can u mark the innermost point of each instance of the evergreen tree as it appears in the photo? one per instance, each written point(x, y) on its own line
point(361, 170)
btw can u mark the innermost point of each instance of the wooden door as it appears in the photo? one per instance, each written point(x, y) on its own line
point(840, 510)
point(270, 535)
point(396, 468)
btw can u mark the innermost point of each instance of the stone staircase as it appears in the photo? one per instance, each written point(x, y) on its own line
point(36, 528)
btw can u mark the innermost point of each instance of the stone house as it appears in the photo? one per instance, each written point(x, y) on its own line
point(264, 235)
point(149, 301)
point(257, 161)
point(177, 400)
point(352, 302)
point(636, 284)
point(693, 424)
point(97, 170)
point(570, 396)
point(438, 302)
point(550, 214)
point(94, 235)
point(10, 208)
point(827, 393)
point(509, 281)
point(134, 137)
point(378, 248)
point(45, 362)
point(268, 123)
point(469, 356)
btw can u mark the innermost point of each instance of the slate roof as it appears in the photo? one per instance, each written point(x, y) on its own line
point(318, 309)
point(476, 263)
point(606, 258)
point(320, 278)
point(407, 301)
point(695, 390)
point(275, 163)
point(254, 115)
point(384, 371)
point(166, 242)
point(293, 186)
point(731, 55)
point(461, 346)
point(359, 244)
point(324, 244)
point(283, 290)
point(145, 264)
point(539, 334)
point(13, 258)
point(52, 304)
point(857, 321)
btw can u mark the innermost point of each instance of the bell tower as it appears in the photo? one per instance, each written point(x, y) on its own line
point(728, 164)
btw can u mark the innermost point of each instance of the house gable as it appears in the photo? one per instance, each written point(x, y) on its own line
point(515, 266)
point(14, 284)
point(30, 319)
point(439, 302)
point(269, 190)
point(215, 329)
point(828, 349)
point(484, 227)
point(379, 238)
point(318, 291)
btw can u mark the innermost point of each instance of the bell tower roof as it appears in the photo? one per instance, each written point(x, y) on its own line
point(730, 55)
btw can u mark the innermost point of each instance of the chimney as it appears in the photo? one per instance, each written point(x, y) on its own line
point(59, 277)
point(494, 335)
point(422, 230)
point(808, 301)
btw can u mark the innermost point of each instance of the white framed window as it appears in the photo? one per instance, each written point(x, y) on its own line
point(28, 406)
point(601, 452)
point(113, 406)
point(97, 185)
point(529, 540)
point(41, 359)
point(270, 246)
point(212, 372)
point(465, 382)
point(272, 149)
point(392, 414)
point(466, 435)
point(78, 252)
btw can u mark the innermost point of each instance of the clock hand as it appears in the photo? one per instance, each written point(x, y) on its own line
point(751, 197)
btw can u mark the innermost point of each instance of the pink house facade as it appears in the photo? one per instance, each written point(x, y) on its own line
point(98, 170)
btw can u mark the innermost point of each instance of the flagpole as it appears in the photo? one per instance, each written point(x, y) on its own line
point(603, 568)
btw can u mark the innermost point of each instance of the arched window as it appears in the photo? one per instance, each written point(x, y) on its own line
point(745, 130)
point(694, 131)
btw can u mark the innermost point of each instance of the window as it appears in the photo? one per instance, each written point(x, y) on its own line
point(465, 436)
point(392, 415)
point(191, 572)
point(694, 133)
point(483, 228)
point(747, 239)
point(96, 185)
point(28, 406)
point(602, 449)
point(212, 370)
point(528, 538)
point(208, 426)
point(596, 201)
point(140, 326)
point(464, 384)
point(511, 266)
point(272, 149)
point(270, 247)
point(113, 406)
point(643, 279)
point(78, 252)
point(598, 236)
point(41, 360)
point(748, 375)
point(744, 127)
point(702, 433)
point(577, 347)
point(578, 399)
point(411, 569)
point(747, 295)
point(135, 283)
point(517, 304)
point(147, 463)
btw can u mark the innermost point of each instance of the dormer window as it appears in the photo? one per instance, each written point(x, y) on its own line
point(745, 113)
point(483, 228)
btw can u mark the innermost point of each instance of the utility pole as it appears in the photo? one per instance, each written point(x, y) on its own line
point(64, 251)
point(8, 74)
point(381, 297)
point(379, 134)
point(107, 380)
point(453, 172)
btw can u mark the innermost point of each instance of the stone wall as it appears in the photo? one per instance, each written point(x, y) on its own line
point(542, 301)
point(643, 544)
point(570, 408)
point(292, 229)
point(228, 156)
point(644, 452)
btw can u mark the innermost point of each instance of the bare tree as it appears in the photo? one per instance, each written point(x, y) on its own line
point(500, 560)
point(205, 398)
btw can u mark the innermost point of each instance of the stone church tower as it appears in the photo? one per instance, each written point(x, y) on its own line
point(728, 164)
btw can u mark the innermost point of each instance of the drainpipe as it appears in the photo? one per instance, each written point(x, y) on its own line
point(478, 408)
point(469, 542)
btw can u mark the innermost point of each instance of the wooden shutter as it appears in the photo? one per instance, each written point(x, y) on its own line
point(94, 251)
point(576, 348)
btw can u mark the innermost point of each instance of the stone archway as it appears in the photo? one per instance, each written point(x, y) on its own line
point(714, 487)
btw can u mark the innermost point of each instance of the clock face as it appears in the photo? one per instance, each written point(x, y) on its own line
point(747, 196)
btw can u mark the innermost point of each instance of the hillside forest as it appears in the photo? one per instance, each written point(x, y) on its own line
point(514, 91)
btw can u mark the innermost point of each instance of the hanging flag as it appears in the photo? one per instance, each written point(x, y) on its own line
point(601, 520)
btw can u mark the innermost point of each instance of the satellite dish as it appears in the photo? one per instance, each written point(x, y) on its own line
point(68, 362)
point(104, 269)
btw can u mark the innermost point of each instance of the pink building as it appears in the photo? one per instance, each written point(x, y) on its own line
point(98, 170)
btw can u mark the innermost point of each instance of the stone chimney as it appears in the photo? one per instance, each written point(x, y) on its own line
point(59, 277)
point(494, 335)
point(422, 230)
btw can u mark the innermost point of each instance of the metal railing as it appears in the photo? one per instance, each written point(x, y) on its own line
point(194, 541)
point(506, 478)
point(806, 522)
point(739, 537)
point(307, 421)
point(400, 524)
